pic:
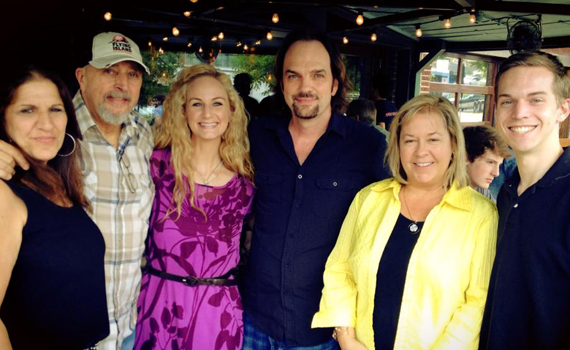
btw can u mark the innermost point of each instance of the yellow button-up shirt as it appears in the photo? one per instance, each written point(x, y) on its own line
point(448, 272)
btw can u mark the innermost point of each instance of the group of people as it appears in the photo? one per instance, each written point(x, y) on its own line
point(356, 242)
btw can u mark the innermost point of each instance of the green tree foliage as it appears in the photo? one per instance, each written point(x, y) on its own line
point(260, 67)
point(163, 69)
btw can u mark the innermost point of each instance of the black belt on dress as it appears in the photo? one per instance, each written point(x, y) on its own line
point(195, 281)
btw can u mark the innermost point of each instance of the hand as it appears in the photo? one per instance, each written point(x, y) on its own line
point(10, 157)
point(346, 337)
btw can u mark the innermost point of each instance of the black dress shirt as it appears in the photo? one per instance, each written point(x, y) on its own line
point(299, 210)
point(528, 305)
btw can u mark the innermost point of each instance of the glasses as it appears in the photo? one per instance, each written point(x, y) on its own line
point(132, 182)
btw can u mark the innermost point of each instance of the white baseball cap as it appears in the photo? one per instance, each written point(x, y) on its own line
point(110, 48)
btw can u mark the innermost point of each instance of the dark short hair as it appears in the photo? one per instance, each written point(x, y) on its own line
point(364, 109)
point(338, 69)
point(561, 84)
point(479, 139)
point(61, 172)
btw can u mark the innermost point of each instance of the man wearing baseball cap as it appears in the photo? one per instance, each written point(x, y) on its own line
point(117, 144)
point(115, 150)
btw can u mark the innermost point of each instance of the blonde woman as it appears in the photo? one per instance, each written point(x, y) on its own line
point(202, 174)
point(411, 267)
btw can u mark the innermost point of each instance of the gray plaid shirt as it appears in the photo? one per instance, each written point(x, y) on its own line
point(110, 177)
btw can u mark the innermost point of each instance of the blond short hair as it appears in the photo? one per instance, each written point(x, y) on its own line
point(457, 170)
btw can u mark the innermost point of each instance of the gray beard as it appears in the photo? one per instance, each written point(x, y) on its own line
point(305, 113)
point(111, 118)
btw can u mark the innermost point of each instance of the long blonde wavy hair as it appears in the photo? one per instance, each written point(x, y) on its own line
point(175, 133)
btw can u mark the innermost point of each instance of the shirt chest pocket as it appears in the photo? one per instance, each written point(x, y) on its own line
point(333, 196)
point(268, 193)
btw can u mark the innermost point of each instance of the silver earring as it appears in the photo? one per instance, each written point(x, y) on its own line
point(74, 146)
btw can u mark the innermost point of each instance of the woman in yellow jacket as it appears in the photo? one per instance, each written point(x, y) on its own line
point(411, 267)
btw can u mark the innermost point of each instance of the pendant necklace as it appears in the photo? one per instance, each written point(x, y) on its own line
point(209, 179)
point(413, 226)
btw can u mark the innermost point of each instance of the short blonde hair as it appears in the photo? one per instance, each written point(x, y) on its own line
point(175, 133)
point(457, 170)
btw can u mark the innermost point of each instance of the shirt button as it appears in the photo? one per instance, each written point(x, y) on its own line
point(335, 184)
point(516, 205)
point(299, 176)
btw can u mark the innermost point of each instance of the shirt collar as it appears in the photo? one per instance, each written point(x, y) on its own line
point(338, 123)
point(456, 197)
point(132, 127)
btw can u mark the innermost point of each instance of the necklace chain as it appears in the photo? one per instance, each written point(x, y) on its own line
point(413, 227)
point(209, 178)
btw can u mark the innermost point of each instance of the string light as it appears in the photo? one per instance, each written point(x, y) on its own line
point(447, 23)
point(187, 13)
point(165, 38)
point(108, 16)
point(221, 36)
point(149, 43)
point(275, 18)
point(360, 19)
point(245, 47)
point(214, 38)
point(419, 32)
point(200, 50)
point(175, 31)
point(373, 37)
point(189, 44)
point(160, 50)
point(258, 42)
point(472, 17)
point(269, 36)
point(238, 44)
point(344, 40)
point(193, 1)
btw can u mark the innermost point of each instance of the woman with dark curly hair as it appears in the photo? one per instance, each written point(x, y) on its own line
point(52, 283)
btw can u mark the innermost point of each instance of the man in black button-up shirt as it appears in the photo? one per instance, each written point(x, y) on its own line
point(528, 305)
point(309, 165)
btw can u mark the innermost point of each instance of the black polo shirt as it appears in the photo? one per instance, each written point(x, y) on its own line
point(528, 305)
point(299, 210)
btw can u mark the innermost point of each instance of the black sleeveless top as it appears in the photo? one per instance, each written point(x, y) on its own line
point(56, 295)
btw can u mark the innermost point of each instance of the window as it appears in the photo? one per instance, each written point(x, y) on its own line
point(466, 81)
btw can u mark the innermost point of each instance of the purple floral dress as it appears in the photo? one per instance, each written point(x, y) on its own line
point(172, 315)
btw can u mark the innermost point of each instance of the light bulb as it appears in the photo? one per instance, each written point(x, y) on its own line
point(359, 19)
point(189, 44)
point(344, 40)
point(447, 23)
point(221, 36)
point(373, 37)
point(160, 50)
point(245, 47)
point(165, 38)
point(269, 36)
point(275, 18)
point(258, 42)
point(215, 38)
point(200, 50)
point(472, 17)
point(149, 43)
point(238, 44)
point(175, 31)
point(193, 1)
point(187, 13)
point(108, 16)
point(419, 32)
